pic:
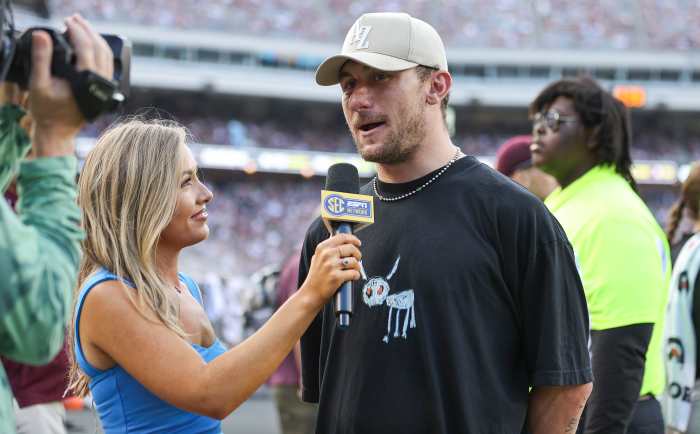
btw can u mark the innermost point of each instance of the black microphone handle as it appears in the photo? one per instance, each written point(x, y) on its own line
point(343, 298)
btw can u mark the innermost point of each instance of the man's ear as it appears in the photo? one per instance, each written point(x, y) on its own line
point(440, 85)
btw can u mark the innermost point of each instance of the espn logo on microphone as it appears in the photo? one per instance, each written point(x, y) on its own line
point(347, 207)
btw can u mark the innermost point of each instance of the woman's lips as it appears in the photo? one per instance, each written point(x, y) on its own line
point(201, 215)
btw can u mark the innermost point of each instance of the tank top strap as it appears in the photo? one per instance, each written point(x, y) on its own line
point(192, 287)
point(98, 277)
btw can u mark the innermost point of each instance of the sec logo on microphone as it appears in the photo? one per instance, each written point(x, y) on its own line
point(334, 204)
point(337, 206)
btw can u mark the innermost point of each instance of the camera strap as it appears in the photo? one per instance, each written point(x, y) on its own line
point(93, 93)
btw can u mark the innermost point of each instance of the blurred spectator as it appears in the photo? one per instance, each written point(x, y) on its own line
point(237, 133)
point(513, 160)
point(296, 416)
point(213, 298)
point(682, 410)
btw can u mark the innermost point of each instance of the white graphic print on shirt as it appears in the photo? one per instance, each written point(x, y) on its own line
point(376, 291)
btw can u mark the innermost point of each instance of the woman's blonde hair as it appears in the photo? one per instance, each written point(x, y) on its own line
point(127, 194)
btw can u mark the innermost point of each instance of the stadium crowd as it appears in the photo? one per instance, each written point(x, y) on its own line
point(592, 24)
point(650, 143)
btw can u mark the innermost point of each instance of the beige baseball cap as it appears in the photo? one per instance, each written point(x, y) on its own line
point(387, 41)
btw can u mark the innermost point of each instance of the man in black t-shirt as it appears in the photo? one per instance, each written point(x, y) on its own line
point(470, 293)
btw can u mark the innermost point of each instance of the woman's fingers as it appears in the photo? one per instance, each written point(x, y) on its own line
point(348, 250)
point(340, 239)
point(349, 275)
point(350, 262)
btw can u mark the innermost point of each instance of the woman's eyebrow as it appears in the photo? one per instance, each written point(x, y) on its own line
point(190, 171)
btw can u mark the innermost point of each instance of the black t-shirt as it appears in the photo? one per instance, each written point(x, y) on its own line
point(471, 295)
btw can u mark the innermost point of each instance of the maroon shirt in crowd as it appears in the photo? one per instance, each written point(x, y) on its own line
point(288, 372)
point(33, 385)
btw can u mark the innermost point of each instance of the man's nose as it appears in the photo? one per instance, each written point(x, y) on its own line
point(361, 98)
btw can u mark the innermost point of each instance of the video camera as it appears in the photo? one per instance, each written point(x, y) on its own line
point(94, 94)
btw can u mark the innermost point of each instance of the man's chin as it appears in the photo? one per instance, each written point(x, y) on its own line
point(371, 152)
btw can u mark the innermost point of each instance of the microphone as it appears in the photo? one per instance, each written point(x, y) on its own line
point(345, 211)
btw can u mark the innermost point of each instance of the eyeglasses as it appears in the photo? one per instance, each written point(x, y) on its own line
point(552, 120)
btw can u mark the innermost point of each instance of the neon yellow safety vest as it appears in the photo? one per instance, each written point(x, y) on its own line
point(622, 255)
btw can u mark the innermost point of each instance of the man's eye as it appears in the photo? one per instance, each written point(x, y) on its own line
point(380, 76)
point(347, 85)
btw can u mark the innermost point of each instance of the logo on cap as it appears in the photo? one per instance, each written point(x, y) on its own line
point(359, 37)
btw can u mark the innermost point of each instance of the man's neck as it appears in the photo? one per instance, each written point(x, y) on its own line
point(432, 154)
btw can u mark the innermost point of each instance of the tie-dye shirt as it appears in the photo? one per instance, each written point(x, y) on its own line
point(39, 253)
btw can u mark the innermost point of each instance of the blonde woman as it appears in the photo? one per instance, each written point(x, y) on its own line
point(142, 343)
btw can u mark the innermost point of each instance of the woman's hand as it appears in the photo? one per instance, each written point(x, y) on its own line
point(336, 260)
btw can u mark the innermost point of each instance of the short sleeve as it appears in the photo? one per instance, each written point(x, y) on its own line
point(624, 270)
point(555, 318)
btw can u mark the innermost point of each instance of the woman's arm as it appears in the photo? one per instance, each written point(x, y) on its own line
point(171, 369)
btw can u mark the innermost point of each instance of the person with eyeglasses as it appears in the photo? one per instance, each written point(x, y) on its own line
point(581, 136)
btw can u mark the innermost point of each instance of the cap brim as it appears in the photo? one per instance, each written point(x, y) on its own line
point(328, 72)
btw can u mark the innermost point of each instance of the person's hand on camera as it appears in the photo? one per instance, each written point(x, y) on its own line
point(57, 119)
point(335, 261)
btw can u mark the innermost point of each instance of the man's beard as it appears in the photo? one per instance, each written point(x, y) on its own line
point(402, 142)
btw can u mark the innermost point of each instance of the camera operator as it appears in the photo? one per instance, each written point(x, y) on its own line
point(39, 247)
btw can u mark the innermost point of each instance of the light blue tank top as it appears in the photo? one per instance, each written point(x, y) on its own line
point(123, 404)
